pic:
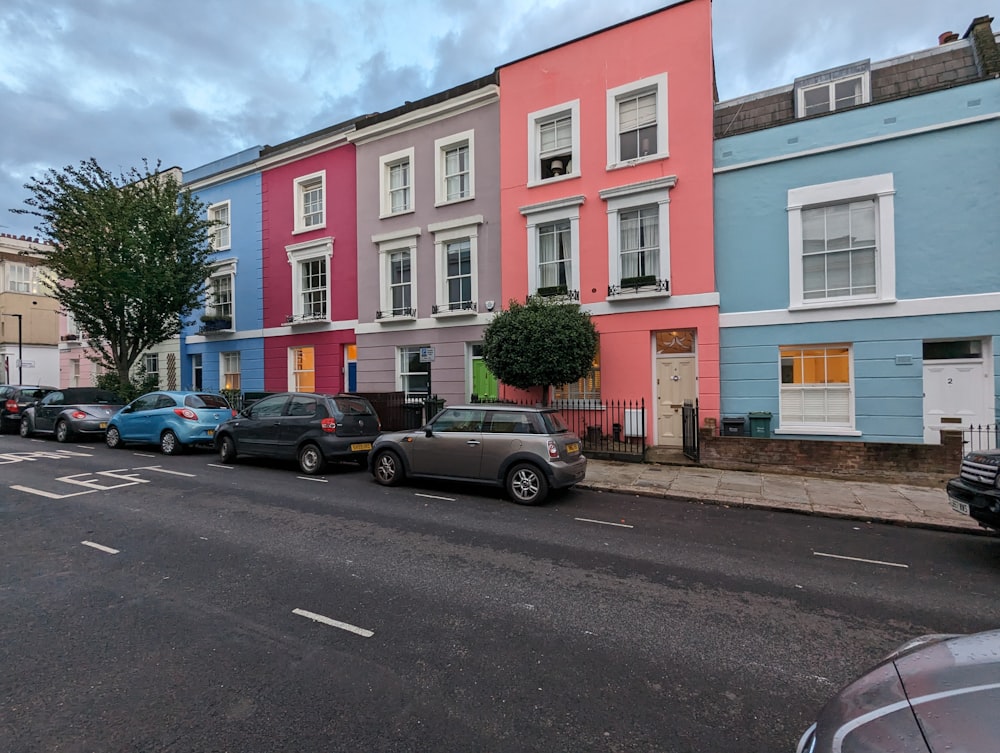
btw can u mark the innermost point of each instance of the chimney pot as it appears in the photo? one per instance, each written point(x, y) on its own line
point(946, 37)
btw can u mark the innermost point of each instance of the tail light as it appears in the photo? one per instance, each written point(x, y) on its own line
point(187, 413)
point(12, 406)
point(553, 450)
point(329, 425)
point(234, 413)
point(78, 414)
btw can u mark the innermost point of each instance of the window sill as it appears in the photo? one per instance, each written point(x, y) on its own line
point(311, 228)
point(297, 321)
point(637, 161)
point(638, 295)
point(449, 202)
point(452, 314)
point(549, 181)
point(824, 431)
point(392, 319)
point(842, 303)
point(212, 332)
point(401, 213)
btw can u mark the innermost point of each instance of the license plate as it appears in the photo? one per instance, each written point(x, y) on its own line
point(961, 507)
point(359, 446)
point(573, 447)
point(104, 424)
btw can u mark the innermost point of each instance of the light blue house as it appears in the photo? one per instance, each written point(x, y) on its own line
point(857, 247)
point(223, 349)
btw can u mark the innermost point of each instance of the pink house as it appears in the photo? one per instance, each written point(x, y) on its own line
point(606, 200)
point(309, 278)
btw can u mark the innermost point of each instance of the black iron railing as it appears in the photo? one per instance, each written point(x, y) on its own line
point(982, 437)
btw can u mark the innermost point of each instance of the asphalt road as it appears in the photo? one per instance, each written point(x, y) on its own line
point(152, 603)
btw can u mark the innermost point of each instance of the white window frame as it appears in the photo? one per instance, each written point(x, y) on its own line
point(21, 278)
point(227, 360)
point(823, 428)
point(863, 96)
point(465, 228)
point(223, 268)
point(388, 244)
point(401, 376)
point(294, 385)
point(441, 148)
point(535, 121)
point(151, 358)
point(539, 215)
point(652, 84)
point(303, 184)
point(385, 163)
point(221, 237)
point(877, 187)
point(635, 196)
point(299, 254)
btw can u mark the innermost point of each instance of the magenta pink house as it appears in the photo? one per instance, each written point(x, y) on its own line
point(606, 200)
point(309, 278)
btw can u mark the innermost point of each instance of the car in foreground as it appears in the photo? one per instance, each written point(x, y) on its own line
point(526, 450)
point(72, 412)
point(933, 694)
point(14, 398)
point(174, 420)
point(976, 490)
point(304, 426)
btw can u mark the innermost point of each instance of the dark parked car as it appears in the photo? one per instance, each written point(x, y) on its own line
point(934, 694)
point(173, 420)
point(526, 450)
point(14, 398)
point(304, 426)
point(976, 491)
point(74, 411)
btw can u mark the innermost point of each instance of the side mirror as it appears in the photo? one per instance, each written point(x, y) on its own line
point(428, 430)
point(127, 409)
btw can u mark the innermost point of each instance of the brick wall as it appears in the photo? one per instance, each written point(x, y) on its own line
point(873, 461)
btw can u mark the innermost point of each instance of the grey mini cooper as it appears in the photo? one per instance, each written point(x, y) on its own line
point(526, 450)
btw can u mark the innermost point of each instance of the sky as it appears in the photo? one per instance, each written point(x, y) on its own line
point(186, 82)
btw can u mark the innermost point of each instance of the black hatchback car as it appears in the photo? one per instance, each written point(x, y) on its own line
point(14, 398)
point(304, 426)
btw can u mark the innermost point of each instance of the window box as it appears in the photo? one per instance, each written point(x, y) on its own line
point(552, 290)
point(638, 282)
point(216, 323)
point(67, 338)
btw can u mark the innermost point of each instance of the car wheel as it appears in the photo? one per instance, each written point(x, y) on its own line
point(526, 484)
point(113, 439)
point(227, 449)
point(387, 468)
point(26, 427)
point(63, 434)
point(170, 444)
point(310, 459)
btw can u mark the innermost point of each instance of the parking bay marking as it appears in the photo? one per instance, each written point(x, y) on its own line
point(434, 496)
point(334, 623)
point(161, 469)
point(100, 547)
point(859, 559)
point(603, 523)
point(310, 478)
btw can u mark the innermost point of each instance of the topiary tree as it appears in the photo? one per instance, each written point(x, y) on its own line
point(540, 344)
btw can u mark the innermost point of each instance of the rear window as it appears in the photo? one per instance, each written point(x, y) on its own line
point(205, 401)
point(554, 423)
point(33, 394)
point(81, 395)
point(353, 406)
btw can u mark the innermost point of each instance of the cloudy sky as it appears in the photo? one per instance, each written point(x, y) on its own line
point(189, 81)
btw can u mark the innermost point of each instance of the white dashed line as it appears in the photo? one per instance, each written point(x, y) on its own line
point(143, 455)
point(433, 496)
point(160, 469)
point(311, 478)
point(219, 465)
point(603, 523)
point(334, 623)
point(107, 549)
point(859, 559)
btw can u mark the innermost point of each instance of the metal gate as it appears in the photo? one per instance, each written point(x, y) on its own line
point(690, 418)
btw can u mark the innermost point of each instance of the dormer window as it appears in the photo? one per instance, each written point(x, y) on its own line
point(835, 89)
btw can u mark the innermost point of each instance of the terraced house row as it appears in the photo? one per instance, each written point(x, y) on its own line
point(825, 252)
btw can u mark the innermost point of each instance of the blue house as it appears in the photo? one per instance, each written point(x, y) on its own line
point(223, 349)
point(858, 247)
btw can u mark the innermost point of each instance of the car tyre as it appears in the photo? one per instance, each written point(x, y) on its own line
point(25, 427)
point(113, 438)
point(526, 484)
point(227, 449)
point(170, 444)
point(311, 459)
point(387, 468)
point(63, 433)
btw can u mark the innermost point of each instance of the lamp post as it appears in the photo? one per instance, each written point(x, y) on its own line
point(20, 349)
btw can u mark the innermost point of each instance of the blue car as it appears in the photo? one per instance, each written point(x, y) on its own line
point(173, 420)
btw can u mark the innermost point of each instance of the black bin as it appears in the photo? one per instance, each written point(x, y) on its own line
point(734, 426)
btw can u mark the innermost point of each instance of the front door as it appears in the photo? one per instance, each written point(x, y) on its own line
point(955, 396)
point(675, 383)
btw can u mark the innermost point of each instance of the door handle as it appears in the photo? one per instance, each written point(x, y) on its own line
point(472, 442)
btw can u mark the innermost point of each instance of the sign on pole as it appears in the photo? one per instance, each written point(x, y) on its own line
point(427, 354)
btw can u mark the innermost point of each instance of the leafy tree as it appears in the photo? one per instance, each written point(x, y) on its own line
point(130, 255)
point(540, 344)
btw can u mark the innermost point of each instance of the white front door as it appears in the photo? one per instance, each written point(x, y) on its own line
point(955, 396)
point(675, 383)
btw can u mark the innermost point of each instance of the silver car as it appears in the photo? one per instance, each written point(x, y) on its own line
point(526, 450)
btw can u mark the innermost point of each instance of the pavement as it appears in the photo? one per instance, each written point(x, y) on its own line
point(901, 504)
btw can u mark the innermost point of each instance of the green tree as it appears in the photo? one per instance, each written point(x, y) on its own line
point(130, 255)
point(540, 344)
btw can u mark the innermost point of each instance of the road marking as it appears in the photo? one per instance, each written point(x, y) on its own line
point(334, 623)
point(50, 495)
point(603, 523)
point(311, 478)
point(160, 469)
point(107, 549)
point(143, 455)
point(219, 465)
point(433, 496)
point(859, 559)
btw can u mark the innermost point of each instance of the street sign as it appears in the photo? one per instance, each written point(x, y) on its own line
point(21, 364)
point(427, 354)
